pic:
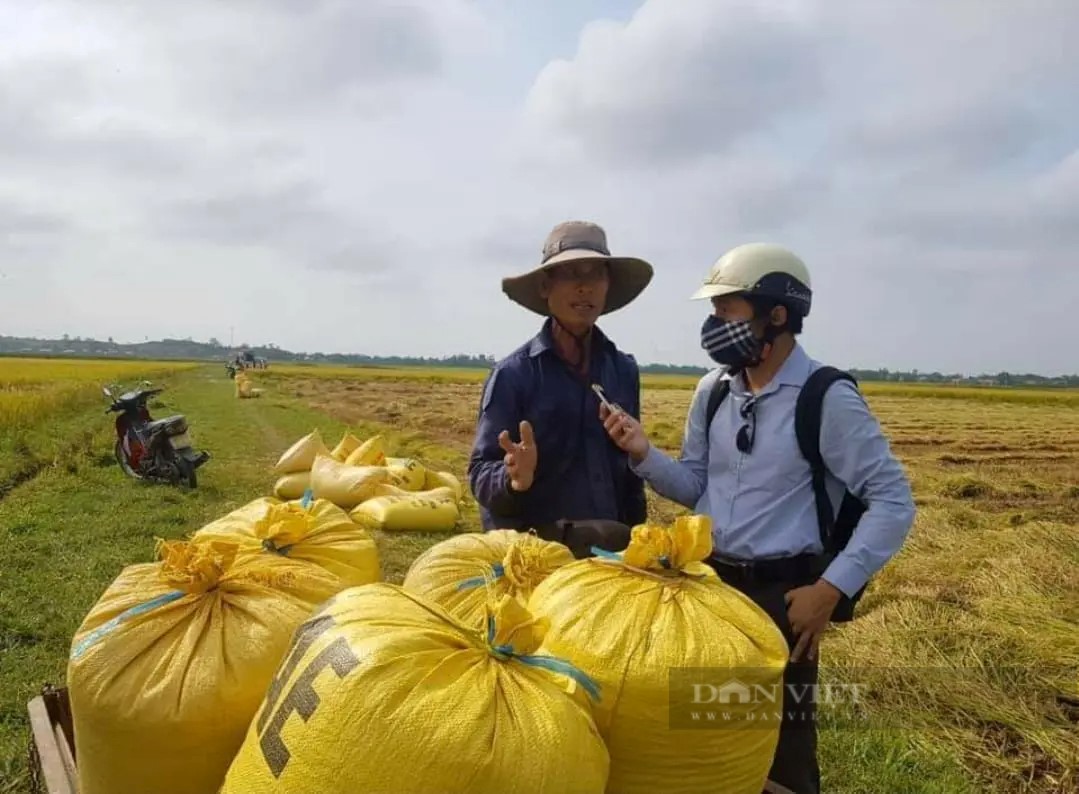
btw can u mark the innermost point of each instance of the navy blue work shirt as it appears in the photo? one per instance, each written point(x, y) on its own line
point(580, 473)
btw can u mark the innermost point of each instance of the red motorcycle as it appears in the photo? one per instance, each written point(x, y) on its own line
point(154, 450)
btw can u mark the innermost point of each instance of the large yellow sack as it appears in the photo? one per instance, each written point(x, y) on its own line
point(245, 388)
point(317, 532)
point(442, 479)
point(292, 486)
point(406, 473)
point(346, 486)
point(385, 693)
point(414, 512)
point(461, 572)
point(169, 667)
point(442, 494)
point(301, 455)
point(345, 447)
point(371, 452)
point(648, 625)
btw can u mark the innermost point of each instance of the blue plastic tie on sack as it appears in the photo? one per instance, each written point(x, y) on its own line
point(560, 666)
point(607, 555)
point(308, 497)
point(478, 581)
point(665, 561)
point(104, 629)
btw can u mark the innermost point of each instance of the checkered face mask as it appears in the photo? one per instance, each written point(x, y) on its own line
point(731, 343)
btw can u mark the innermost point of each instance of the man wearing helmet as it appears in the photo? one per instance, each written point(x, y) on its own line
point(743, 463)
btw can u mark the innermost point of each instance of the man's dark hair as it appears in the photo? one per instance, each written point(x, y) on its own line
point(762, 307)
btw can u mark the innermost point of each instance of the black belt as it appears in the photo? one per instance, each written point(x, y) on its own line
point(800, 568)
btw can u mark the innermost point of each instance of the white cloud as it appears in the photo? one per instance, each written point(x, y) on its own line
point(347, 176)
point(679, 80)
point(892, 145)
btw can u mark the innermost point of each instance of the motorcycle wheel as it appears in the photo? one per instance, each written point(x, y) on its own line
point(121, 458)
point(187, 475)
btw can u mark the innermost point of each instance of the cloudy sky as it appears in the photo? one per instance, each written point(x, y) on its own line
point(358, 175)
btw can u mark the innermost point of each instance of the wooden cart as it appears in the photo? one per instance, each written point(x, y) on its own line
point(52, 747)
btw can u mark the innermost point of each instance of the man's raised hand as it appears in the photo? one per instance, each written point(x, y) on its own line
point(520, 457)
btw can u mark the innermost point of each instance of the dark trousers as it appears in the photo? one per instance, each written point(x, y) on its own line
point(581, 536)
point(795, 761)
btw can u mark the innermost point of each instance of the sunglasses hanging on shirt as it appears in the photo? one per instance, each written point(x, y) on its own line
point(747, 432)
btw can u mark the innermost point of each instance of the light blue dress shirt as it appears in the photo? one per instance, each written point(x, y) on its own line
point(761, 503)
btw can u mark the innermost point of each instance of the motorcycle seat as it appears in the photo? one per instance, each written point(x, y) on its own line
point(173, 425)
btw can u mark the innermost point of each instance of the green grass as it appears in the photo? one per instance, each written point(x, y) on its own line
point(67, 532)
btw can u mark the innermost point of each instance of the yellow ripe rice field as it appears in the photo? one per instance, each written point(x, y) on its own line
point(31, 388)
point(468, 375)
point(39, 397)
point(969, 639)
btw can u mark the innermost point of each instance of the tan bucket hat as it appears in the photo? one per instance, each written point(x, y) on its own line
point(577, 241)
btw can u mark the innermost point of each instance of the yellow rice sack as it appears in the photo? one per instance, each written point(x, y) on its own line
point(439, 479)
point(406, 473)
point(370, 453)
point(650, 623)
point(385, 693)
point(346, 486)
point(170, 665)
point(345, 447)
point(318, 532)
point(443, 494)
point(292, 486)
point(301, 455)
point(460, 573)
point(413, 512)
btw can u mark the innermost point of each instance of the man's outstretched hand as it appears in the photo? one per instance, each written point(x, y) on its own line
point(520, 457)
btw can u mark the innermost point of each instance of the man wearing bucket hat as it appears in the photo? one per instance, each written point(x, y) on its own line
point(540, 459)
point(806, 498)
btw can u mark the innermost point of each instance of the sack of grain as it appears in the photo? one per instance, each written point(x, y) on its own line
point(346, 486)
point(345, 447)
point(370, 453)
point(406, 473)
point(293, 486)
point(170, 665)
point(416, 512)
point(650, 623)
point(384, 692)
point(441, 494)
point(317, 532)
point(460, 573)
point(301, 455)
point(442, 479)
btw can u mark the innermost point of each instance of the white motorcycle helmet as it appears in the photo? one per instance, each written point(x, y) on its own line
point(763, 269)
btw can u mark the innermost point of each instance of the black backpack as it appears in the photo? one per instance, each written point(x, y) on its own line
point(835, 532)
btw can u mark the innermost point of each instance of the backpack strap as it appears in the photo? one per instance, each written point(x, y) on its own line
point(807, 422)
point(720, 389)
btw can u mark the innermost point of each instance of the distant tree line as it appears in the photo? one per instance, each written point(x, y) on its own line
point(996, 379)
point(188, 349)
